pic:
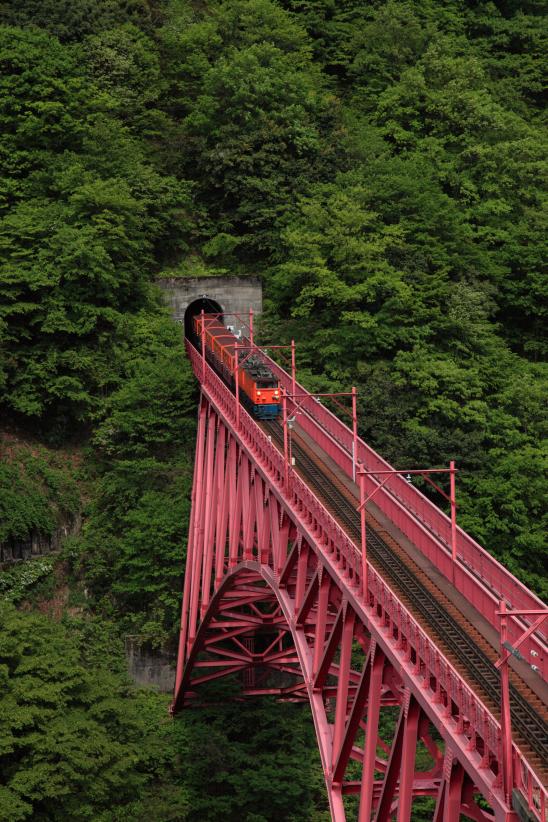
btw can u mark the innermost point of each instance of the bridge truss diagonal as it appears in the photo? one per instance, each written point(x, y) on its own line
point(274, 596)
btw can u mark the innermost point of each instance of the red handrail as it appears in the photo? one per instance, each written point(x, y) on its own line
point(479, 576)
point(307, 506)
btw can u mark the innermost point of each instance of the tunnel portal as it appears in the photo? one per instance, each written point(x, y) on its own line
point(187, 296)
point(204, 303)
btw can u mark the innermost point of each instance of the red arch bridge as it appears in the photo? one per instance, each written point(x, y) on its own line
point(279, 593)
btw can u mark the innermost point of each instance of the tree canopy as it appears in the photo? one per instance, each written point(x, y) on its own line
point(382, 167)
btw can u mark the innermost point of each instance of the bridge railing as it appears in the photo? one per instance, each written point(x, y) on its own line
point(470, 714)
point(477, 575)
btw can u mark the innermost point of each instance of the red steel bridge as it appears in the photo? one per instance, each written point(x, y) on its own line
point(366, 600)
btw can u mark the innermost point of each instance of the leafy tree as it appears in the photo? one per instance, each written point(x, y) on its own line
point(70, 735)
point(489, 160)
point(258, 759)
point(132, 552)
point(124, 62)
point(79, 240)
point(43, 98)
point(382, 166)
point(387, 43)
point(511, 38)
point(254, 111)
point(69, 20)
point(331, 28)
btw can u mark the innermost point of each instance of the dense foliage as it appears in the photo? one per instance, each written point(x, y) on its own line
point(272, 771)
point(71, 727)
point(38, 490)
point(132, 551)
point(77, 742)
point(381, 165)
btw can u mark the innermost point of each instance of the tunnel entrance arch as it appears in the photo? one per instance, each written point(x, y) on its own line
point(206, 304)
point(233, 295)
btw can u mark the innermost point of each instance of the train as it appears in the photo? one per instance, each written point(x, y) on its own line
point(258, 387)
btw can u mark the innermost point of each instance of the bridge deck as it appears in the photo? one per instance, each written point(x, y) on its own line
point(537, 685)
point(476, 574)
point(472, 632)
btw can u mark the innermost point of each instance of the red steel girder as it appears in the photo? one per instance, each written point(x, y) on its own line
point(273, 589)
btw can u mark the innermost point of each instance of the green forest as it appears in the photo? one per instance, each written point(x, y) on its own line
point(381, 166)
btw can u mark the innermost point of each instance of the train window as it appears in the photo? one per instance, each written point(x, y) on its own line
point(266, 384)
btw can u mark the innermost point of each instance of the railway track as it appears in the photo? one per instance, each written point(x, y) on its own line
point(444, 622)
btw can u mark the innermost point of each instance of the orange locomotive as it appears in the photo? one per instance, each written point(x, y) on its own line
point(258, 386)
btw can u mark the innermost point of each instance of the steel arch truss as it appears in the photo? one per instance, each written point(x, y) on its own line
point(265, 602)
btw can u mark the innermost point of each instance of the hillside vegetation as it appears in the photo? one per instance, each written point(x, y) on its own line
point(382, 167)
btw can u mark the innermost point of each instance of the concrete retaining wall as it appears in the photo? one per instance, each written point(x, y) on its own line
point(150, 668)
point(233, 294)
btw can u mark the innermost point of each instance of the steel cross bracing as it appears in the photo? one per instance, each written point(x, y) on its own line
point(273, 595)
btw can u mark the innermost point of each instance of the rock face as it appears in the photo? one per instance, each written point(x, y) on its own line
point(150, 668)
point(37, 544)
point(233, 295)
